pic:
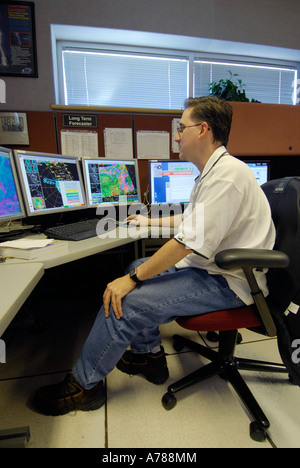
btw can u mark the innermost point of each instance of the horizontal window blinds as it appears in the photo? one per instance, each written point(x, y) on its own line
point(115, 78)
point(265, 84)
point(124, 80)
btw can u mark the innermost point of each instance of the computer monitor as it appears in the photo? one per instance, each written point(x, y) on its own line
point(111, 181)
point(261, 170)
point(50, 183)
point(171, 181)
point(11, 203)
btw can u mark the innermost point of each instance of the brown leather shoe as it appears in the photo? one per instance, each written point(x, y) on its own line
point(152, 366)
point(68, 395)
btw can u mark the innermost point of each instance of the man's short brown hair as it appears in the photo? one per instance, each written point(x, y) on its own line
point(216, 112)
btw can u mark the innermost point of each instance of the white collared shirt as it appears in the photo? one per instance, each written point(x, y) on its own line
point(227, 209)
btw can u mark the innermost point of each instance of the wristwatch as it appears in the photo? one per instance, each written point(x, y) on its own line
point(133, 276)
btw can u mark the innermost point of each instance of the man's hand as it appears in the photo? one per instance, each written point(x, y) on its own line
point(114, 293)
point(168, 255)
point(138, 220)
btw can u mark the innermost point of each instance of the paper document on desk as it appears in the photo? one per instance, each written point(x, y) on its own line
point(30, 249)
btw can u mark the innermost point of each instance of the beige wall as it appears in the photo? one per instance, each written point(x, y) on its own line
point(266, 22)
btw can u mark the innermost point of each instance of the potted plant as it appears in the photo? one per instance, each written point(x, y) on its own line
point(229, 90)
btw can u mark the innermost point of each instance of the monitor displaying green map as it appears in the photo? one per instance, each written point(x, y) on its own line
point(11, 205)
point(111, 181)
point(50, 182)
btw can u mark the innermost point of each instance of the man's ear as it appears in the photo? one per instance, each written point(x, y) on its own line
point(203, 129)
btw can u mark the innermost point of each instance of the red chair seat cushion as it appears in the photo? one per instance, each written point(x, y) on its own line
point(231, 319)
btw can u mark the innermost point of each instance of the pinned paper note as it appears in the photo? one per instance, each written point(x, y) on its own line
point(118, 143)
point(79, 143)
point(153, 145)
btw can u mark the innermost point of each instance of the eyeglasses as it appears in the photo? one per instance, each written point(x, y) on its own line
point(181, 129)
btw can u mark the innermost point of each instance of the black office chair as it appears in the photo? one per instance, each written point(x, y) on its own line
point(266, 316)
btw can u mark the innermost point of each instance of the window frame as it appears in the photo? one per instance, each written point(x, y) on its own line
point(191, 56)
point(267, 64)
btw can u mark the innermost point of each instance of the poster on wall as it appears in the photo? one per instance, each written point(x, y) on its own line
point(17, 39)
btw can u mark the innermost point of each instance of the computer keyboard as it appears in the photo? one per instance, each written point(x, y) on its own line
point(74, 231)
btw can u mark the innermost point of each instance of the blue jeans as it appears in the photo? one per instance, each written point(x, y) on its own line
point(158, 300)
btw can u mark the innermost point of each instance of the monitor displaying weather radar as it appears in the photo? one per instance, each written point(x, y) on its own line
point(50, 183)
point(11, 203)
point(111, 181)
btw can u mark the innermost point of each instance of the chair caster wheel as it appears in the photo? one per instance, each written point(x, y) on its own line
point(212, 336)
point(168, 401)
point(178, 346)
point(293, 380)
point(256, 432)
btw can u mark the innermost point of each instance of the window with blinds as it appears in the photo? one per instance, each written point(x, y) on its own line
point(114, 79)
point(264, 83)
point(139, 79)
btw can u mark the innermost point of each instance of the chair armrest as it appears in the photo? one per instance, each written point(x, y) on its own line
point(249, 259)
point(253, 258)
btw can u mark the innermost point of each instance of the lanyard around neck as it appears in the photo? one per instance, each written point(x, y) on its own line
point(223, 154)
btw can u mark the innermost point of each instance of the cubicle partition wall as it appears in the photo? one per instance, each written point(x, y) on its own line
point(137, 121)
point(267, 131)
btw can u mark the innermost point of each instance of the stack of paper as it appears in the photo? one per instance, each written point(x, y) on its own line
point(31, 249)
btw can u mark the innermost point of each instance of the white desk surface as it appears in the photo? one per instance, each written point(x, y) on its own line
point(84, 248)
point(16, 284)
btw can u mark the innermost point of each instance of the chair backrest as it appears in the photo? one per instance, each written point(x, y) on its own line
point(284, 199)
point(284, 284)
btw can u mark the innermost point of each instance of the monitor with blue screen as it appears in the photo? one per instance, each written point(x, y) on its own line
point(261, 170)
point(171, 181)
point(111, 181)
point(50, 183)
point(11, 203)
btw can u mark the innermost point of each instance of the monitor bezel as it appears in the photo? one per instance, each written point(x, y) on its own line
point(117, 161)
point(17, 185)
point(149, 179)
point(48, 211)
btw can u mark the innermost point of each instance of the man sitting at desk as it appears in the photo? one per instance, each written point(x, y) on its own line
point(182, 277)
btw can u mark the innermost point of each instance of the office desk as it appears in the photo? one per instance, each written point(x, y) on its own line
point(17, 282)
point(19, 277)
point(84, 248)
